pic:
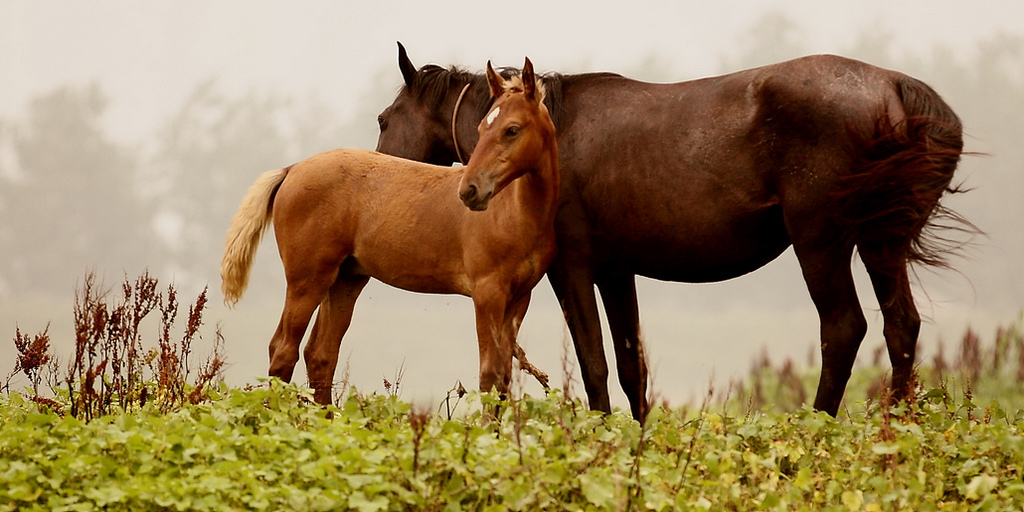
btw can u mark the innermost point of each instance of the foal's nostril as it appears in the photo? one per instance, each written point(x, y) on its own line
point(470, 193)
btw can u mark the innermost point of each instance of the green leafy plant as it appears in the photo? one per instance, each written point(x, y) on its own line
point(271, 448)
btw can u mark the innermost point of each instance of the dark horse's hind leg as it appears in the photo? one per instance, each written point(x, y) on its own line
point(332, 321)
point(618, 292)
point(830, 282)
point(902, 323)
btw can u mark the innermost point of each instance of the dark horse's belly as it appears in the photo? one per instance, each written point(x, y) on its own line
point(689, 249)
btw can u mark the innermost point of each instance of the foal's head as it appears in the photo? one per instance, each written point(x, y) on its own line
point(516, 137)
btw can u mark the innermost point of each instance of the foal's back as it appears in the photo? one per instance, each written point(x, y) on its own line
point(393, 219)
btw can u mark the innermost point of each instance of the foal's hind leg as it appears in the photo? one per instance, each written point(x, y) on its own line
point(332, 321)
point(830, 282)
point(310, 275)
point(618, 292)
point(299, 304)
point(902, 322)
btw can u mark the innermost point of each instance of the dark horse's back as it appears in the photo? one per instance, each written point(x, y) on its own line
point(733, 169)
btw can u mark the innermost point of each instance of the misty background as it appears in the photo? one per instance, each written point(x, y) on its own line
point(129, 132)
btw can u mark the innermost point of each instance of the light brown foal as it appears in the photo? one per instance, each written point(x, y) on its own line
point(344, 216)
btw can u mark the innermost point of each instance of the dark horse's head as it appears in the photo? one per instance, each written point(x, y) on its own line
point(418, 124)
point(434, 117)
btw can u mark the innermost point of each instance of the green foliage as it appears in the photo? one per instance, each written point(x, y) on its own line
point(270, 448)
point(100, 443)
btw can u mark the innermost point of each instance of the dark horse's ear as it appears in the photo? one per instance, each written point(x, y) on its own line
point(404, 64)
point(529, 80)
point(495, 80)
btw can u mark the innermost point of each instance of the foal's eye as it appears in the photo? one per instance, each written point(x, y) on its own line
point(512, 131)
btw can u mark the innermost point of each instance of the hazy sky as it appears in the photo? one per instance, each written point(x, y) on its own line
point(148, 57)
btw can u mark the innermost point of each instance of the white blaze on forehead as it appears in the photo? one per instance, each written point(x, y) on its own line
point(493, 115)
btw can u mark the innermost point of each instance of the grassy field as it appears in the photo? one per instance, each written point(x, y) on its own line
point(129, 426)
point(270, 449)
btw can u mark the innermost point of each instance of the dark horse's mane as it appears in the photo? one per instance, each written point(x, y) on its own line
point(432, 84)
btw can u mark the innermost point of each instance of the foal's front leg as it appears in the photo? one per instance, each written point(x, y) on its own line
point(495, 352)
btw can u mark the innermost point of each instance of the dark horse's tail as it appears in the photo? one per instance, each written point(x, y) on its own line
point(890, 203)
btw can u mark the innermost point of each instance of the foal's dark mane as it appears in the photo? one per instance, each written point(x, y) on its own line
point(432, 84)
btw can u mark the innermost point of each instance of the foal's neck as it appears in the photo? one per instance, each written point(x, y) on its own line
point(536, 192)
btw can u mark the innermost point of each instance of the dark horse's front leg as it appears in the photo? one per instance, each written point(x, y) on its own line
point(573, 284)
point(618, 292)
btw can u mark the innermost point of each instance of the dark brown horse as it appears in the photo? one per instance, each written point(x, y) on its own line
point(710, 179)
point(344, 216)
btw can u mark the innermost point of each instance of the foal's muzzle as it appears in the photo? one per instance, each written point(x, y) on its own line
point(474, 199)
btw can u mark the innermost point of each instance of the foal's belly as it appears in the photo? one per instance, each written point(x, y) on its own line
point(424, 264)
point(423, 278)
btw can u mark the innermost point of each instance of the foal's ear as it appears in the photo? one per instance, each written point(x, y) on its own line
point(496, 82)
point(529, 80)
point(404, 64)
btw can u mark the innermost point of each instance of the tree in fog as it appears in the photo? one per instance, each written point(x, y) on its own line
point(775, 37)
point(208, 155)
point(71, 205)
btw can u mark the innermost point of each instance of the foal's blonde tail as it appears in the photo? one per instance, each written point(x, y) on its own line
point(244, 235)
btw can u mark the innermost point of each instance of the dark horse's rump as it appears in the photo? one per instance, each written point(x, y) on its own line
point(891, 203)
point(709, 179)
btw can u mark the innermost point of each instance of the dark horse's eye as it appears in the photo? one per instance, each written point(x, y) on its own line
point(512, 131)
point(382, 122)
